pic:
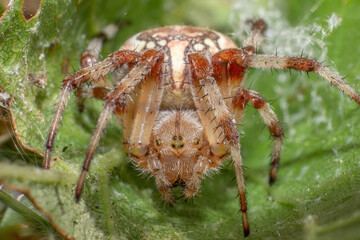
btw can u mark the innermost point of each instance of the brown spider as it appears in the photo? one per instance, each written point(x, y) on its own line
point(179, 95)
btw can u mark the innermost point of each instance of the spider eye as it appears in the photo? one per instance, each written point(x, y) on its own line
point(158, 142)
point(196, 141)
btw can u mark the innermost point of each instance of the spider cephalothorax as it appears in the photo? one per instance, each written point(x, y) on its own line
point(178, 93)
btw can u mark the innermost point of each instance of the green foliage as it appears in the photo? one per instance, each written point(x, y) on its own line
point(317, 195)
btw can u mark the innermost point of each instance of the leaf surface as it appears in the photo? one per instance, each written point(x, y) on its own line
point(317, 194)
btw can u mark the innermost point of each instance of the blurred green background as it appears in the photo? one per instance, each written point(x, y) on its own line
point(317, 194)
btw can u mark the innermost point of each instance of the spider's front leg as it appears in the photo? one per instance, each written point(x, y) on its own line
point(90, 73)
point(138, 126)
point(147, 68)
point(218, 124)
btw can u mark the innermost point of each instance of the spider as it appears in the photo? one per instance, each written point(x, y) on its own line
point(178, 92)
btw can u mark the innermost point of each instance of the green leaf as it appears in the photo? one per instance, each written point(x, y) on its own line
point(317, 194)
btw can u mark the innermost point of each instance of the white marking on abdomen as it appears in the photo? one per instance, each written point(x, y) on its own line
point(177, 55)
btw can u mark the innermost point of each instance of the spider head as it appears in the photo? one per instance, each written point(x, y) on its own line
point(178, 138)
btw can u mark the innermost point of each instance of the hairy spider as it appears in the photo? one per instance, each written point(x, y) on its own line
point(179, 95)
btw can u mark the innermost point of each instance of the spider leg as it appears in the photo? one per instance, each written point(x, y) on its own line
point(138, 125)
point(218, 124)
point(90, 58)
point(92, 92)
point(146, 112)
point(239, 102)
point(229, 68)
point(256, 36)
point(90, 73)
point(229, 72)
point(141, 114)
point(210, 104)
point(302, 64)
point(116, 100)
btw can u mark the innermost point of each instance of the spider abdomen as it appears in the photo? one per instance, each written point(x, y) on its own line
point(177, 42)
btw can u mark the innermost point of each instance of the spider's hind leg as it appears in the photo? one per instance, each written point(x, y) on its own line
point(90, 57)
point(256, 36)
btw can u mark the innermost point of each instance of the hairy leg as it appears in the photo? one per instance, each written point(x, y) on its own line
point(91, 55)
point(92, 92)
point(239, 102)
point(217, 121)
point(74, 81)
point(256, 36)
point(229, 72)
point(90, 58)
point(138, 125)
point(302, 64)
point(151, 62)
